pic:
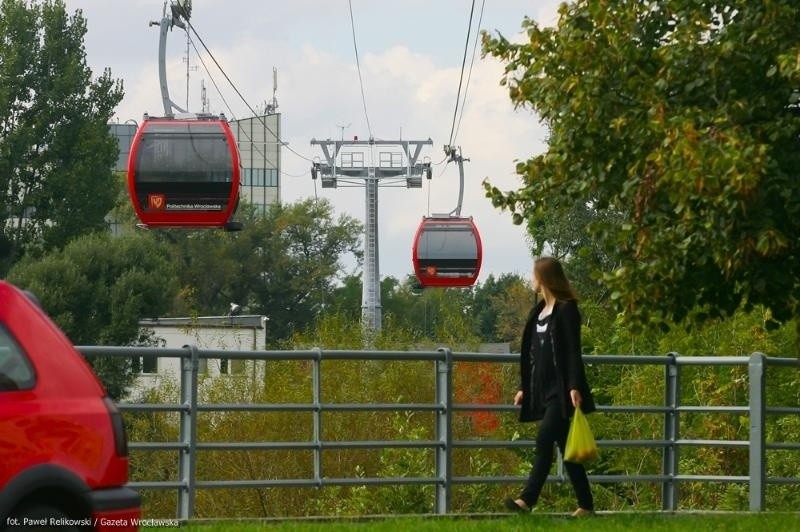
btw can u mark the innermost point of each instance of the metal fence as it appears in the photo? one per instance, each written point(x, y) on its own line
point(443, 408)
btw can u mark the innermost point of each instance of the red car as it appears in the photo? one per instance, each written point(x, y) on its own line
point(63, 448)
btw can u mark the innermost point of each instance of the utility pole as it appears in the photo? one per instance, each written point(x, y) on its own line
point(346, 168)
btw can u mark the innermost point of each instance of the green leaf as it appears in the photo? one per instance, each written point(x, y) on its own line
point(672, 126)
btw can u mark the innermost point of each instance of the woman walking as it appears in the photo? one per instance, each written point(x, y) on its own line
point(553, 382)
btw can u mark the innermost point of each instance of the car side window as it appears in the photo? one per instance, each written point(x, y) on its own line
point(16, 372)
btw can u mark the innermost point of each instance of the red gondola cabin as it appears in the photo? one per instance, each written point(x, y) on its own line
point(184, 172)
point(447, 252)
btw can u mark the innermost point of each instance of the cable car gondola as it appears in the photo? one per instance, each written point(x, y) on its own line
point(184, 172)
point(447, 252)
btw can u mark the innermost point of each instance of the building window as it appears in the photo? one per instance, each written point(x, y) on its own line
point(260, 177)
point(124, 134)
point(228, 366)
point(145, 364)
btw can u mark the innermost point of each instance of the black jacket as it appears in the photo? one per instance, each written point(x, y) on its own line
point(565, 337)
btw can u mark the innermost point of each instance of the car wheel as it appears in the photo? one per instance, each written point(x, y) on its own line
point(41, 517)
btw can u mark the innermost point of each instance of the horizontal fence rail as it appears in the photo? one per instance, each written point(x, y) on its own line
point(443, 407)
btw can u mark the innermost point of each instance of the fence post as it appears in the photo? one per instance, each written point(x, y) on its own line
point(444, 459)
point(669, 489)
point(316, 380)
point(188, 425)
point(758, 461)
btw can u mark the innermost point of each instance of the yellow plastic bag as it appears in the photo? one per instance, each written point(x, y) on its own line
point(581, 446)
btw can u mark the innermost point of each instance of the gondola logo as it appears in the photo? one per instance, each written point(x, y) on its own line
point(156, 202)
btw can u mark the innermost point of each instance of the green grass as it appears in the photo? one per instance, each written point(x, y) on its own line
point(694, 522)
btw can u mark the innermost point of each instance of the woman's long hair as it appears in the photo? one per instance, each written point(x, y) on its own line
point(551, 275)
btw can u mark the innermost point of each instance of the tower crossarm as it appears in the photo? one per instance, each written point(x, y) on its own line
point(332, 168)
point(348, 166)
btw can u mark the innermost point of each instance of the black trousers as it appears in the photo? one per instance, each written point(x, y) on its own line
point(554, 429)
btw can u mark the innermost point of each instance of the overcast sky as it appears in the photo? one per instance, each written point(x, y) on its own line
point(410, 54)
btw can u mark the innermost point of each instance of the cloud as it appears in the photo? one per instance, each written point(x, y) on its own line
point(410, 89)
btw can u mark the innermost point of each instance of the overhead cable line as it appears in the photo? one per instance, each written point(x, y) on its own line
point(191, 26)
point(233, 116)
point(442, 161)
point(295, 175)
point(358, 66)
point(469, 75)
point(255, 145)
point(461, 78)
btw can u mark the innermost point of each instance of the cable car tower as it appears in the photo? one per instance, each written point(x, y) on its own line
point(344, 166)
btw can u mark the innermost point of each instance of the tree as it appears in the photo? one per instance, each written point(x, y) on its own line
point(511, 307)
point(437, 315)
point(494, 300)
point(346, 298)
point(56, 153)
point(98, 288)
point(396, 298)
point(678, 121)
point(492, 311)
point(562, 234)
point(283, 264)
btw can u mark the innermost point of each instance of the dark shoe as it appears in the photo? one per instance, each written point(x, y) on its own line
point(512, 505)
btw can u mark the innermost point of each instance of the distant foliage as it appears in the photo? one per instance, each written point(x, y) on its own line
point(282, 265)
point(56, 152)
point(98, 288)
point(365, 382)
point(676, 123)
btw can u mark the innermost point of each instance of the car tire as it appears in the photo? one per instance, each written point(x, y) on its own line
point(36, 512)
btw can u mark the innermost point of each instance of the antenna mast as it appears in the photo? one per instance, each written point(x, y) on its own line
point(204, 97)
point(189, 67)
point(343, 128)
point(272, 107)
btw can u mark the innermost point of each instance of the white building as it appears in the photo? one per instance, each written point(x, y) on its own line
point(229, 333)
